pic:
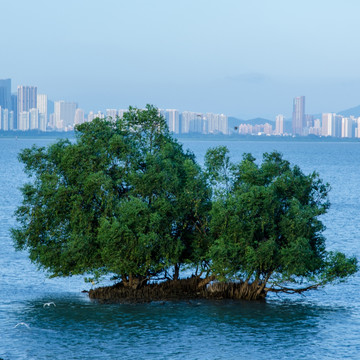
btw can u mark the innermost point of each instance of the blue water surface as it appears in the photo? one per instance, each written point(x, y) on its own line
point(324, 324)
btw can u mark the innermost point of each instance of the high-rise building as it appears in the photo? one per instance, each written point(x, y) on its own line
point(358, 127)
point(43, 122)
point(64, 114)
point(298, 118)
point(279, 125)
point(346, 127)
point(79, 116)
point(216, 123)
point(121, 112)
point(337, 126)
point(23, 121)
point(173, 120)
point(26, 98)
point(42, 105)
point(34, 119)
point(223, 124)
point(213, 123)
point(4, 119)
point(328, 124)
point(186, 118)
point(14, 108)
point(111, 113)
point(52, 121)
point(5, 94)
point(90, 116)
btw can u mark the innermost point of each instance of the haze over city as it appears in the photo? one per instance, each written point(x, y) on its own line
point(238, 58)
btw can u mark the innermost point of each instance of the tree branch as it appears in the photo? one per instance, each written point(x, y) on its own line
point(292, 290)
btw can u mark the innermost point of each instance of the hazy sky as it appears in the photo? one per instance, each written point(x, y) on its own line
point(241, 58)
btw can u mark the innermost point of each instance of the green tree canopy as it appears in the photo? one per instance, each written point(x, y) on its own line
point(265, 225)
point(123, 199)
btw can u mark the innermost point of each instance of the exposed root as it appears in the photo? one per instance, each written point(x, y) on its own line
point(184, 289)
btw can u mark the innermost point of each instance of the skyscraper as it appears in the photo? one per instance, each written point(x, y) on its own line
point(79, 116)
point(111, 113)
point(34, 119)
point(298, 118)
point(279, 125)
point(64, 114)
point(328, 124)
point(5, 94)
point(26, 98)
point(42, 105)
point(346, 127)
point(173, 121)
point(14, 109)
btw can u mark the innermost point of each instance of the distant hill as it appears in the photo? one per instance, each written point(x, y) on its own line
point(355, 111)
point(233, 121)
point(260, 121)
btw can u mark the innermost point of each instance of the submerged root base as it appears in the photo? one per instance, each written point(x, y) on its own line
point(184, 289)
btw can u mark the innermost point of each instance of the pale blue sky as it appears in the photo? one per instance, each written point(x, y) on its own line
point(241, 58)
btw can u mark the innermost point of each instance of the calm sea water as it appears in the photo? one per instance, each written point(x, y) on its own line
point(324, 324)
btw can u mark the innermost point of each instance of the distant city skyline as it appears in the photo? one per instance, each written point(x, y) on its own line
point(29, 110)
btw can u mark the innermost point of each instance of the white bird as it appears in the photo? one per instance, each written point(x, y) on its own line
point(22, 323)
point(49, 304)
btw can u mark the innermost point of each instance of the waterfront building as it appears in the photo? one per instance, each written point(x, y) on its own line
point(11, 120)
point(42, 122)
point(173, 120)
point(34, 119)
point(42, 105)
point(26, 100)
point(52, 121)
point(268, 129)
point(90, 116)
point(216, 123)
point(316, 129)
point(23, 121)
point(328, 124)
point(223, 124)
point(245, 129)
point(212, 123)
point(298, 117)
point(279, 125)
point(346, 127)
point(193, 122)
point(99, 115)
point(337, 126)
point(5, 94)
point(111, 113)
point(64, 114)
point(309, 120)
point(79, 116)
point(4, 119)
point(121, 112)
point(14, 109)
point(186, 117)
point(199, 123)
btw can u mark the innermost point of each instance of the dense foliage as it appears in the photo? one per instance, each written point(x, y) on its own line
point(125, 199)
point(265, 225)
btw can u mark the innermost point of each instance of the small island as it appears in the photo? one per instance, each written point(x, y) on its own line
point(126, 201)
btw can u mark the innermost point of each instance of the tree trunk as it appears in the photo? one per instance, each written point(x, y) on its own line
point(176, 272)
point(133, 282)
point(204, 282)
